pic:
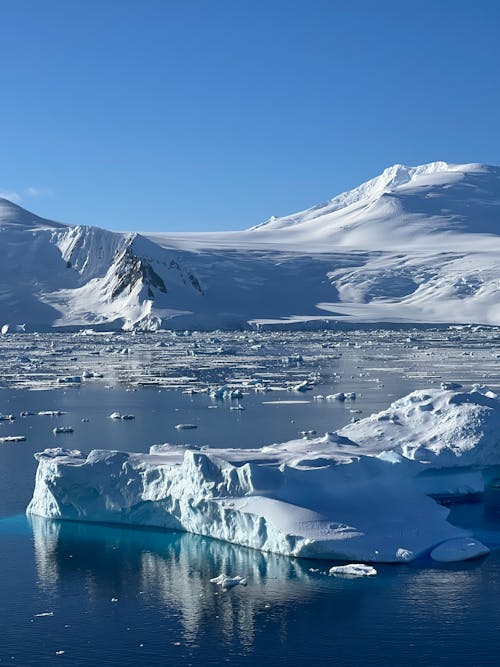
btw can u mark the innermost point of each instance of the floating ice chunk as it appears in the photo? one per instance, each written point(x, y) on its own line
point(228, 582)
point(13, 438)
point(62, 429)
point(185, 427)
point(459, 549)
point(352, 570)
point(4, 329)
point(340, 396)
point(51, 413)
point(302, 386)
point(293, 359)
point(226, 392)
point(450, 385)
point(118, 415)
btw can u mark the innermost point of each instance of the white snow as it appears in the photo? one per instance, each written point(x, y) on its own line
point(364, 493)
point(353, 570)
point(228, 582)
point(414, 244)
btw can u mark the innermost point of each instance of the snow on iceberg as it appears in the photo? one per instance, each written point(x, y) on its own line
point(361, 494)
point(439, 427)
point(353, 570)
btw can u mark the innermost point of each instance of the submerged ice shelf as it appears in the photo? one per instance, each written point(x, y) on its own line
point(364, 493)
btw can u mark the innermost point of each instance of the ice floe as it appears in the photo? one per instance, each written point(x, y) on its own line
point(226, 582)
point(364, 493)
point(352, 570)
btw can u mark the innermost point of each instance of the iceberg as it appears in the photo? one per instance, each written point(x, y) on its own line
point(366, 493)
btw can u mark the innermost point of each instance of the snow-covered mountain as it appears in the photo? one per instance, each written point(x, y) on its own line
point(415, 244)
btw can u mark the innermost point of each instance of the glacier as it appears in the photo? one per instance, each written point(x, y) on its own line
point(413, 245)
point(368, 492)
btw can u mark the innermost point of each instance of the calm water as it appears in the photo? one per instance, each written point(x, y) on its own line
point(166, 611)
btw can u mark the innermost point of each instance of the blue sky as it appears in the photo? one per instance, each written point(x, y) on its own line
point(216, 114)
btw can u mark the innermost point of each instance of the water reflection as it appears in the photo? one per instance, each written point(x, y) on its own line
point(165, 600)
point(171, 571)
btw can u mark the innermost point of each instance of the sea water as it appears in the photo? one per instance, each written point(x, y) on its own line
point(83, 594)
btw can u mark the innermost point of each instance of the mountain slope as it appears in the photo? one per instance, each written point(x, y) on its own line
point(415, 244)
point(57, 275)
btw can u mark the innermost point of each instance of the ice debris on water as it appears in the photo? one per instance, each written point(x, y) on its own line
point(352, 570)
point(13, 438)
point(118, 415)
point(226, 582)
point(73, 379)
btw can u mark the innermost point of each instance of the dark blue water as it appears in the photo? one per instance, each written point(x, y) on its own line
point(167, 612)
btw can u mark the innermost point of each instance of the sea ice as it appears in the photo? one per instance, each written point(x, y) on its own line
point(228, 582)
point(353, 570)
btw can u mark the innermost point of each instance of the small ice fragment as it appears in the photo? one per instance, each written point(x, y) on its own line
point(450, 385)
point(114, 599)
point(336, 397)
point(59, 652)
point(302, 386)
point(353, 570)
point(228, 582)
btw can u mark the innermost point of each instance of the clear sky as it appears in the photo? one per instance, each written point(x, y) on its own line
point(216, 114)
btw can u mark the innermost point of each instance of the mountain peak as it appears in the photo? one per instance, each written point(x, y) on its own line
point(391, 178)
point(13, 215)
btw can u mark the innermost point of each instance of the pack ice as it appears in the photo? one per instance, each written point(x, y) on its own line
point(365, 493)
